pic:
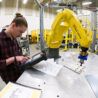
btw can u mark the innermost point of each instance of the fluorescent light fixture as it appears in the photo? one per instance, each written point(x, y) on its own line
point(25, 1)
point(47, 4)
point(0, 0)
point(87, 3)
point(59, 10)
point(56, 0)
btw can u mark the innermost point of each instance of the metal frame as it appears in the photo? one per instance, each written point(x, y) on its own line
point(17, 6)
point(42, 25)
point(41, 21)
point(94, 18)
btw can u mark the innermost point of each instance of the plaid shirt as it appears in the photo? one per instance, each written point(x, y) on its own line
point(9, 48)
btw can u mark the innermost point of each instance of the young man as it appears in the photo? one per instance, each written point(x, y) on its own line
point(10, 56)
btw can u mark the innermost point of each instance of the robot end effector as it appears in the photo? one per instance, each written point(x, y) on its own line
point(83, 55)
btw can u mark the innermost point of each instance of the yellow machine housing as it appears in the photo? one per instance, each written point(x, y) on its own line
point(33, 36)
point(64, 20)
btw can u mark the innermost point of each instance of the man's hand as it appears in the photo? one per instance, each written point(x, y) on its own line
point(22, 59)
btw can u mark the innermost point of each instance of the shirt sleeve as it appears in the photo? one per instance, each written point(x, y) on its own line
point(2, 64)
point(2, 61)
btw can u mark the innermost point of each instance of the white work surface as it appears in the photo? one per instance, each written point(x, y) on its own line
point(67, 84)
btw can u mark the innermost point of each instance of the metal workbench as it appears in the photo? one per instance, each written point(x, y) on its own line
point(67, 84)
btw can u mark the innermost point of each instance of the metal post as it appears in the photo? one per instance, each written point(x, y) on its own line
point(38, 3)
point(41, 25)
point(97, 33)
point(94, 18)
point(41, 28)
point(17, 5)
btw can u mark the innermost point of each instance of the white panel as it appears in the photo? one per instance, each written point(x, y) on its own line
point(85, 14)
point(97, 21)
point(5, 20)
point(9, 11)
point(28, 12)
point(32, 16)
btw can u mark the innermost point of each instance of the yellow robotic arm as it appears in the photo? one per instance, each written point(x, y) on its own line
point(64, 20)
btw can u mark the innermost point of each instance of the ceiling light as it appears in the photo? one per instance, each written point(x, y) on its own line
point(56, 0)
point(0, 0)
point(25, 1)
point(87, 3)
point(59, 10)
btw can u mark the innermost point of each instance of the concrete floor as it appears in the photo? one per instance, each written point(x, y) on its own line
point(33, 49)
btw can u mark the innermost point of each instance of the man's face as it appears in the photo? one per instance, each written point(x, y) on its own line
point(18, 31)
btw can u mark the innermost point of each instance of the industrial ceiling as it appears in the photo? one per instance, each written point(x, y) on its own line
point(75, 2)
point(31, 4)
point(11, 3)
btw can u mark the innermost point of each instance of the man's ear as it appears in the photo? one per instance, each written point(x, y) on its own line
point(13, 25)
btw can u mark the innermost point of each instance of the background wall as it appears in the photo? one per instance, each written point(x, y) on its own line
point(33, 17)
point(97, 20)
